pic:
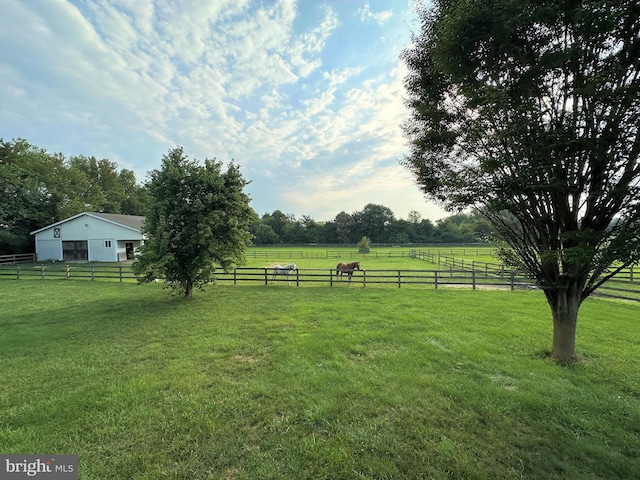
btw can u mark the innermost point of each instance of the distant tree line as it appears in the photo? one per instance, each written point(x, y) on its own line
point(376, 222)
point(38, 188)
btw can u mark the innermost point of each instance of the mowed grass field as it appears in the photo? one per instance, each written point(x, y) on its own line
point(379, 257)
point(257, 382)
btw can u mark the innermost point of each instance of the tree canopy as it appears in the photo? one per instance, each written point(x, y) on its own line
point(529, 112)
point(38, 188)
point(199, 218)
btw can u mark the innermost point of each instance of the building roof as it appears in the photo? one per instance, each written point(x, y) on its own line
point(132, 221)
point(129, 221)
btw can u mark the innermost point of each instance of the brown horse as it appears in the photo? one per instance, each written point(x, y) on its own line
point(347, 268)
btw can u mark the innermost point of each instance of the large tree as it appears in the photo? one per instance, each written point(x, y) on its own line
point(199, 219)
point(26, 174)
point(373, 221)
point(345, 226)
point(529, 111)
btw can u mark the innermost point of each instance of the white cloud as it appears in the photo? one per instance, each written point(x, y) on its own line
point(338, 77)
point(129, 79)
point(387, 186)
point(380, 17)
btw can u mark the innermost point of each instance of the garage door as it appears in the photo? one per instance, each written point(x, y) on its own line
point(75, 250)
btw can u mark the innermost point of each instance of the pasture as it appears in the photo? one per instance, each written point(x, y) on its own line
point(317, 383)
point(325, 258)
point(435, 267)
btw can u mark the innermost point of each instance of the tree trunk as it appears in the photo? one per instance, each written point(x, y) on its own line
point(565, 319)
point(188, 291)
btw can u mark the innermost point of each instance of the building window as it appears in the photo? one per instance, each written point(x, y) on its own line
point(107, 243)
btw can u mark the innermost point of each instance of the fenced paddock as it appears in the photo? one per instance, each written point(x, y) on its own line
point(449, 272)
point(300, 277)
point(385, 277)
point(625, 285)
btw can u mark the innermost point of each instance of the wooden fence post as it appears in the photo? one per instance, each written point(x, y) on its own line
point(436, 279)
point(399, 278)
point(473, 278)
point(18, 272)
point(266, 277)
point(42, 270)
point(67, 272)
point(364, 278)
point(331, 277)
point(120, 273)
point(513, 277)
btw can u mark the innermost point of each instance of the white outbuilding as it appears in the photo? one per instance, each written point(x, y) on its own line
point(88, 236)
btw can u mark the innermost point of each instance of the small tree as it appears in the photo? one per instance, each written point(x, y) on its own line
point(199, 218)
point(364, 246)
point(530, 111)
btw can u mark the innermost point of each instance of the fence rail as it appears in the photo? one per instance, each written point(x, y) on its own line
point(321, 253)
point(18, 258)
point(76, 271)
point(366, 278)
point(629, 274)
point(439, 278)
point(615, 288)
point(264, 276)
point(461, 263)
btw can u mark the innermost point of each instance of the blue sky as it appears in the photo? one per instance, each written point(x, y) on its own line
point(306, 96)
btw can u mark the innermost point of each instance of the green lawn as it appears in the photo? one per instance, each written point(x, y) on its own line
point(315, 383)
point(377, 258)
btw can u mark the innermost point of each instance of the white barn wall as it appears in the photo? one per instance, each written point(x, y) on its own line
point(91, 228)
point(99, 252)
point(96, 232)
point(49, 249)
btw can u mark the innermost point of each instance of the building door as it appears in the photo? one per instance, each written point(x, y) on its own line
point(128, 246)
point(75, 250)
